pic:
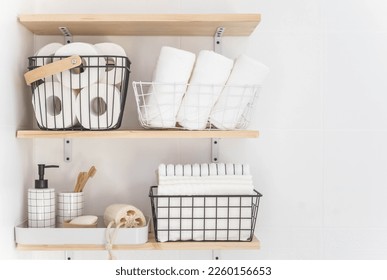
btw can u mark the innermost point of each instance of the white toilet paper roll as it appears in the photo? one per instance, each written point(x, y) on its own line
point(98, 106)
point(82, 76)
point(54, 106)
point(113, 72)
point(47, 50)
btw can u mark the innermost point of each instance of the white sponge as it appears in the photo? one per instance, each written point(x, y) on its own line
point(84, 220)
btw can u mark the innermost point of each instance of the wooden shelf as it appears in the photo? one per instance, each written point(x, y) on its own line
point(138, 134)
point(141, 24)
point(150, 245)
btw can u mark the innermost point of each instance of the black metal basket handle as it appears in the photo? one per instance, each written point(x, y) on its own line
point(52, 68)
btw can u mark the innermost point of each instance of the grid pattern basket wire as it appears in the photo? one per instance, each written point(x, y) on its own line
point(204, 217)
point(92, 107)
point(195, 106)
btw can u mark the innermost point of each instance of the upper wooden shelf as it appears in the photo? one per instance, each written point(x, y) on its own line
point(141, 24)
point(138, 134)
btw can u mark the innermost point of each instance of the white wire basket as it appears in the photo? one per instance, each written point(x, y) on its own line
point(194, 107)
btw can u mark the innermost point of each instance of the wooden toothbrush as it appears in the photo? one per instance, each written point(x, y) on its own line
point(85, 178)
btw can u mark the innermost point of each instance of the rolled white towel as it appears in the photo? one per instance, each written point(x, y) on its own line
point(170, 76)
point(233, 101)
point(210, 74)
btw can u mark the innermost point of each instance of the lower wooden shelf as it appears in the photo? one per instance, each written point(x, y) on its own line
point(150, 245)
point(93, 239)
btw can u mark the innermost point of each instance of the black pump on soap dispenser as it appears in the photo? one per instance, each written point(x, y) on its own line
point(42, 183)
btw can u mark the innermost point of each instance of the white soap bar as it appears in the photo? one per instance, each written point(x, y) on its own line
point(84, 220)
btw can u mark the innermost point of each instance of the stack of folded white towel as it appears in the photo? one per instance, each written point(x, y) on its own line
point(216, 202)
point(218, 93)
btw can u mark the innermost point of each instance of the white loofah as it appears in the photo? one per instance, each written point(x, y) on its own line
point(128, 215)
point(120, 215)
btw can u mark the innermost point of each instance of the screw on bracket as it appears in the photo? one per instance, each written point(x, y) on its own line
point(215, 149)
point(218, 39)
point(67, 35)
point(67, 147)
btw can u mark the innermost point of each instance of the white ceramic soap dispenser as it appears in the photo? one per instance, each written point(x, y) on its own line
point(41, 202)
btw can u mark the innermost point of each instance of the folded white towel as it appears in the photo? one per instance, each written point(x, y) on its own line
point(196, 169)
point(206, 185)
point(197, 219)
point(187, 170)
point(162, 170)
point(210, 73)
point(204, 169)
point(171, 74)
point(237, 179)
point(233, 101)
point(239, 169)
point(213, 169)
point(170, 170)
point(192, 217)
point(178, 170)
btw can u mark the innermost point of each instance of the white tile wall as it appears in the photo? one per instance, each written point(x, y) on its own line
point(355, 80)
point(321, 157)
point(16, 155)
point(287, 167)
point(358, 243)
point(294, 101)
point(355, 179)
point(355, 15)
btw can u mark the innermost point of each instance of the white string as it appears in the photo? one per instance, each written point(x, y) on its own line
point(110, 238)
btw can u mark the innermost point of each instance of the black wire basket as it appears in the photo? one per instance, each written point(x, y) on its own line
point(78, 92)
point(204, 217)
